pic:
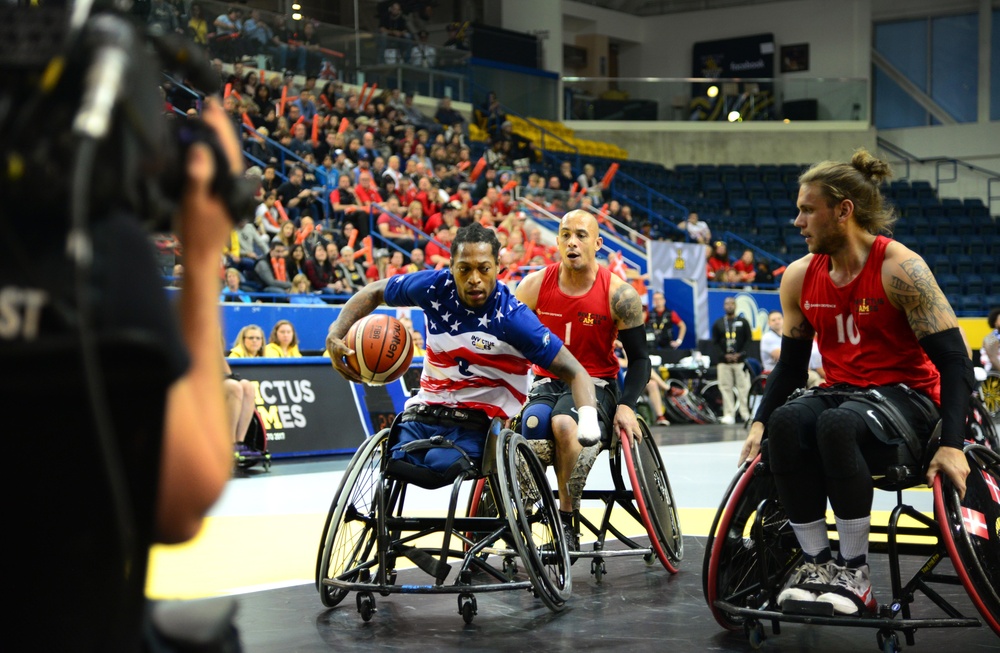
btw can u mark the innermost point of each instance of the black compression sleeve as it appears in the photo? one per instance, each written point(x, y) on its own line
point(947, 351)
point(788, 375)
point(637, 374)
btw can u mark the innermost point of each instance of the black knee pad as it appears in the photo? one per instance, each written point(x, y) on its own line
point(838, 432)
point(784, 441)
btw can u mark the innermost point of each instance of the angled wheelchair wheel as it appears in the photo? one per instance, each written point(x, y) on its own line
point(981, 427)
point(653, 497)
point(348, 545)
point(989, 392)
point(534, 520)
point(672, 407)
point(713, 397)
point(739, 563)
point(703, 414)
point(756, 393)
point(971, 530)
point(481, 504)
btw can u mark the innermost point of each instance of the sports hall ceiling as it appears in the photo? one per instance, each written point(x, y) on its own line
point(660, 7)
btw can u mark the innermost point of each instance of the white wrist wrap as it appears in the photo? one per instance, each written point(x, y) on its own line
point(588, 430)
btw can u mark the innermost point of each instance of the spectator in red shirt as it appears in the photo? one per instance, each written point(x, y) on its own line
point(447, 216)
point(746, 267)
point(405, 191)
point(439, 256)
point(390, 225)
point(718, 262)
point(367, 192)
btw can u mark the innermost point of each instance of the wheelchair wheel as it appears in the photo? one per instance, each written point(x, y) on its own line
point(972, 534)
point(700, 408)
point(756, 393)
point(653, 497)
point(736, 561)
point(481, 504)
point(534, 521)
point(989, 392)
point(350, 534)
point(671, 407)
point(981, 426)
point(713, 397)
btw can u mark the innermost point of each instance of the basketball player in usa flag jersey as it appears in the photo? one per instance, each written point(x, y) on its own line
point(480, 343)
point(588, 307)
point(882, 323)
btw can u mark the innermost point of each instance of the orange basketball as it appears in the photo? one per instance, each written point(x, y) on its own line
point(383, 348)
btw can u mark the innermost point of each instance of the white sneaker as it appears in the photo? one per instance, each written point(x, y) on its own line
point(727, 419)
point(851, 591)
point(808, 581)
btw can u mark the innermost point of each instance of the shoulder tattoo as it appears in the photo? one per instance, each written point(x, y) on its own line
point(927, 309)
point(626, 305)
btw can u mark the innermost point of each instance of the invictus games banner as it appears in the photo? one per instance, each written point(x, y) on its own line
point(679, 269)
point(306, 406)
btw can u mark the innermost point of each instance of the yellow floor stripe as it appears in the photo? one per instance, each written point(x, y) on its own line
point(239, 554)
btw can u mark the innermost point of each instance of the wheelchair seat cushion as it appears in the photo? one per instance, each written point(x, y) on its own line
point(432, 456)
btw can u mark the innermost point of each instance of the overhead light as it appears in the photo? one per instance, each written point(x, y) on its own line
point(786, 121)
point(296, 6)
point(296, 16)
point(734, 116)
point(712, 91)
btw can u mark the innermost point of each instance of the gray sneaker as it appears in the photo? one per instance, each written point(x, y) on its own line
point(851, 592)
point(808, 581)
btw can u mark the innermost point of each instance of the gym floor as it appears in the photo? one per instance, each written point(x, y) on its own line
point(261, 539)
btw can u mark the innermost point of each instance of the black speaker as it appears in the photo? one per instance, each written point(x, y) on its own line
point(801, 110)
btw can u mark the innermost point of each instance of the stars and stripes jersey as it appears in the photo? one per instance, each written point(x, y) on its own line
point(865, 340)
point(476, 358)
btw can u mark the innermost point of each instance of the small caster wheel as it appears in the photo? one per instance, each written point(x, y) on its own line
point(754, 630)
point(888, 642)
point(366, 606)
point(598, 569)
point(467, 607)
point(509, 568)
point(649, 559)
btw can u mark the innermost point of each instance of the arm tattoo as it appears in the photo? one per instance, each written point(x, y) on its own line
point(626, 306)
point(927, 309)
point(802, 331)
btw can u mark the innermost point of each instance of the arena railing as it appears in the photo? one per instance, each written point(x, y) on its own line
point(720, 99)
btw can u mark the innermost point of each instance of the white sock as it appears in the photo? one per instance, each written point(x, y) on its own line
point(813, 537)
point(854, 537)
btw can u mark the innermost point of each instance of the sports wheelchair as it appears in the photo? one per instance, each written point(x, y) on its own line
point(634, 465)
point(366, 532)
point(751, 549)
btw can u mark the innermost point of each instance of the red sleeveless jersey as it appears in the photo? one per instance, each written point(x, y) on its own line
point(865, 341)
point(584, 323)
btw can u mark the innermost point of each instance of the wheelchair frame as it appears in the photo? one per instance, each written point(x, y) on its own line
point(366, 532)
point(653, 506)
point(741, 581)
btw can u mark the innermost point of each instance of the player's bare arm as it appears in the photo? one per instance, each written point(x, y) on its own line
point(527, 290)
point(571, 372)
point(363, 303)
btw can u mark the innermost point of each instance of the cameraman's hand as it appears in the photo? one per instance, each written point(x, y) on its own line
point(205, 223)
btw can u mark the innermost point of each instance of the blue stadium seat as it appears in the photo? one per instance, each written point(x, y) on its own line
point(921, 226)
point(954, 245)
point(974, 284)
point(963, 264)
point(932, 209)
point(950, 284)
point(769, 173)
point(740, 207)
point(940, 264)
point(767, 227)
point(987, 264)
